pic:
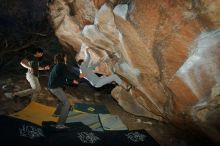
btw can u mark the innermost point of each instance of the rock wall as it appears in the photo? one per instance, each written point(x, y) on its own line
point(168, 50)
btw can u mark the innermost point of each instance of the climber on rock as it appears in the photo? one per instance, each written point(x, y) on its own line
point(87, 72)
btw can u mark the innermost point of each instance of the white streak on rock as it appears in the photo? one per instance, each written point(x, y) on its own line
point(121, 11)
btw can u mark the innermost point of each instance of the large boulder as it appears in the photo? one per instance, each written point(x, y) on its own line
point(168, 50)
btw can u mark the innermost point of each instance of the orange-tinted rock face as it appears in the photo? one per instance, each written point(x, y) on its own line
point(168, 50)
point(98, 3)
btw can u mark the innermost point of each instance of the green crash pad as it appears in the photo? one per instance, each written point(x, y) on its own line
point(91, 108)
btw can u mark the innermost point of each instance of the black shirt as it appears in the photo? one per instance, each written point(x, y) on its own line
point(57, 77)
point(34, 63)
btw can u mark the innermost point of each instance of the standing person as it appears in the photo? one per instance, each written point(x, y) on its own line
point(57, 79)
point(87, 72)
point(31, 63)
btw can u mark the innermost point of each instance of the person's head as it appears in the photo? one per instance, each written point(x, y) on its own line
point(60, 58)
point(38, 52)
point(80, 61)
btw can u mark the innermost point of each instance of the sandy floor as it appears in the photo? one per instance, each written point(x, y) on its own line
point(164, 133)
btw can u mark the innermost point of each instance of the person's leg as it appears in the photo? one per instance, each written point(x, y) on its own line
point(35, 85)
point(107, 80)
point(58, 109)
point(60, 94)
point(23, 93)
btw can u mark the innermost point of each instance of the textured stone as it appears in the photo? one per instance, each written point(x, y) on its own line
point(129, 104)
point(121, 10)
point(168, 50)
point(98, 3)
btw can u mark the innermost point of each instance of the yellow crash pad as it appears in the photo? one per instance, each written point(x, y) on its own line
point(36, 113)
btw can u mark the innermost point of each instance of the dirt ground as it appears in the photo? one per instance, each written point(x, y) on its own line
point(163, 133)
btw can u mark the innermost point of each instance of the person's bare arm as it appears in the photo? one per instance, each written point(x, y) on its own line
point(82, 75)
point(25, 64)
point(75, 82)
point(44, 68)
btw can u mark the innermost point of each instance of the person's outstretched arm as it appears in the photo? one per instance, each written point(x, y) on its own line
point(44, 68)
point(25, 63)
